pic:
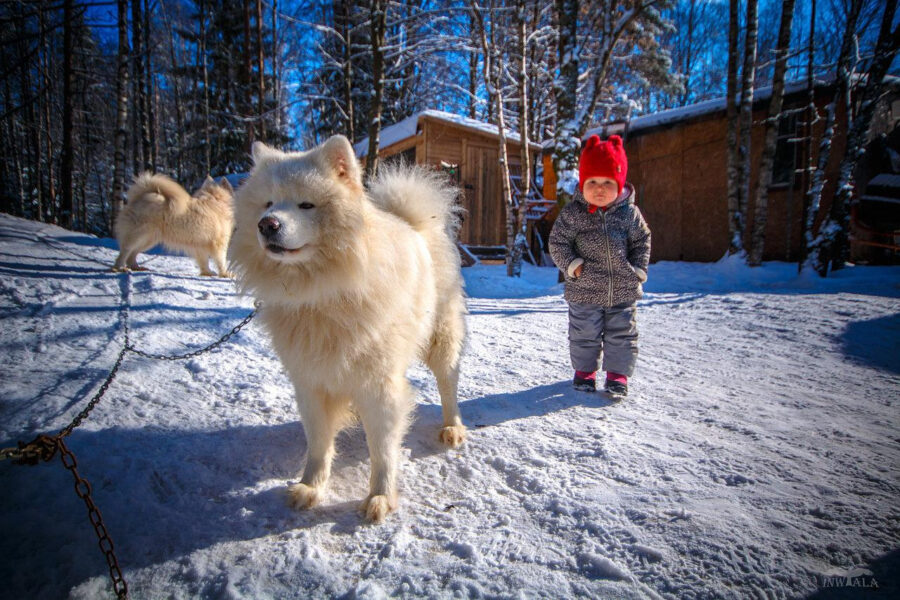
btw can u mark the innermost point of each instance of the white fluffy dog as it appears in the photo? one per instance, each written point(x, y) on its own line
point(354, 287)
point(159, 211)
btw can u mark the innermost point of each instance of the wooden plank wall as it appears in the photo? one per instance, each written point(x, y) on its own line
point(484, 222)
point(680, 174)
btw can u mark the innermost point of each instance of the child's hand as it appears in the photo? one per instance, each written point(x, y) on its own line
point(578, 271)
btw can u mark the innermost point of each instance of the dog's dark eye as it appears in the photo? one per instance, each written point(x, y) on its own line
point(268, 205)
point(306, 205)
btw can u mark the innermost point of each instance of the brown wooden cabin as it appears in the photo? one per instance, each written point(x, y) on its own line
point(677, 162)
point(468, 150)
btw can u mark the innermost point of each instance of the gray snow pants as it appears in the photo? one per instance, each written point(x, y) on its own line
point(608, 333)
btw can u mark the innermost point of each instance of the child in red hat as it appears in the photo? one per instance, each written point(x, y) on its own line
point(602, 243)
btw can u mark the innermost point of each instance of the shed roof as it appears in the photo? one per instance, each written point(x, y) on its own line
point(707, 107)
point(408, 128)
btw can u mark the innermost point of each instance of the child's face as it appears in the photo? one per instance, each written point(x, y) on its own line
point(600, 191)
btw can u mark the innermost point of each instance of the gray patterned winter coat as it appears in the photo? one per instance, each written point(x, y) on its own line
point(613, 246)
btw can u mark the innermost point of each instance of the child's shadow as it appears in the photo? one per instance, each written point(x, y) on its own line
point(534, 402)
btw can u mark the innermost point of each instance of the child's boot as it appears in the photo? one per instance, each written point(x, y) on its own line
point(585, 382)
point(616, 385)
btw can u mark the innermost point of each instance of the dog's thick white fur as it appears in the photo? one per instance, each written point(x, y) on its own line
point(354, 286)
point(159, 211)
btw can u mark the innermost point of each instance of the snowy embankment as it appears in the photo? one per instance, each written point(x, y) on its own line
point(756, 457)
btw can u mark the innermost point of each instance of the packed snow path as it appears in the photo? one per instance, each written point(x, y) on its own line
point(756, 457)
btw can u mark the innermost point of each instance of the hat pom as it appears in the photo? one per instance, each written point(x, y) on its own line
point(615, 140)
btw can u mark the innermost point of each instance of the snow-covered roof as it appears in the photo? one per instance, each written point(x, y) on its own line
point(408, 128)
point(684, 113)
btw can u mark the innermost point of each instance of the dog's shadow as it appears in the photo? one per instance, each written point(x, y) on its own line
point(166, 493)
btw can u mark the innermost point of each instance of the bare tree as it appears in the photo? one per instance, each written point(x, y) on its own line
point(522, 87)
point(845, 65)
point(67, 159)
point(812, 115)
point(377, 25)
point(487, 31)
point(736, 215)
point(834, 244)
point(587, 62)
point(764, 177)
point(745, 120)
point(118, 192)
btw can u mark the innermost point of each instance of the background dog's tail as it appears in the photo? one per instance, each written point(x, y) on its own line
point(157, 188)
point(425, 198)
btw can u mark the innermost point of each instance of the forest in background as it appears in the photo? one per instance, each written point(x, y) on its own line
point(92, 93)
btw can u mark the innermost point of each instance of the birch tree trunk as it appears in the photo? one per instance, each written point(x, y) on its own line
point(764, 176)
point(493, 84)
point(811, 118)
point(815, 246)
point(178, 97)
point(140, 137)
point(248, 109)
point(261, 71)
point(377, 24)
point(735, 216)
point(67, 159)
point(522, 76)
point(746, 116)
point(473, 76)
point(151, 151)
point(118, 191)
point(47, 120)
point(276, 86)
point(346, 26)
point(835, 247)
point(207, 144)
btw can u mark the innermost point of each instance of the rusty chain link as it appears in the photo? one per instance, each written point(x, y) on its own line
point(45, 447)
point(83, 489)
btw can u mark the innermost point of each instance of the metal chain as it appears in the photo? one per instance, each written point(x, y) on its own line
point(83, 489)
point(44, 447)
point(100, 393)
point(129, 346)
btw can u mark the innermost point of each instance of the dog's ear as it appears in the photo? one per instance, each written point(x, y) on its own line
point(224, 183)
point(341, 160)
point(208, 182)
point(263, 154)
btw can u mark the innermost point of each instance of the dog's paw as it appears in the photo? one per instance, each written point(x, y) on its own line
point(376, 508)
point(207, 274)
point(453, 435)
point(302, 496)
point(227, 275)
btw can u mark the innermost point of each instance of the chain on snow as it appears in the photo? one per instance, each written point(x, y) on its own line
point(45, 447)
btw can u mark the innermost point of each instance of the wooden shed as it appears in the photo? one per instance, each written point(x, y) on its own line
point(468, 150)
point(677, 162)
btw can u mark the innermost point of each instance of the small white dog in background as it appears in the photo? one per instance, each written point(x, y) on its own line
point(159, 211)
point(354, 287)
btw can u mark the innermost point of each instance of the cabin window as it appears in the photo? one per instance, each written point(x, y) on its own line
point(787, 151)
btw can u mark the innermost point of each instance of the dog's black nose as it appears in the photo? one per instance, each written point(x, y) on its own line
point(269, 226)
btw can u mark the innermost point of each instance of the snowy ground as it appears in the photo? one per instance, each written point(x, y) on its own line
point(756, 458)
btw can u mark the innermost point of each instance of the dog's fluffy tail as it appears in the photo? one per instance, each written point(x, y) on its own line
point(157, 188)
point(423, 197)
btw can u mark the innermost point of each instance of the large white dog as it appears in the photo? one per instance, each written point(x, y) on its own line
point(354, 287)
point(159, 211)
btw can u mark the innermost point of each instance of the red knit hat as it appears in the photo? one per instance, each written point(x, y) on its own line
point(603, 159)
